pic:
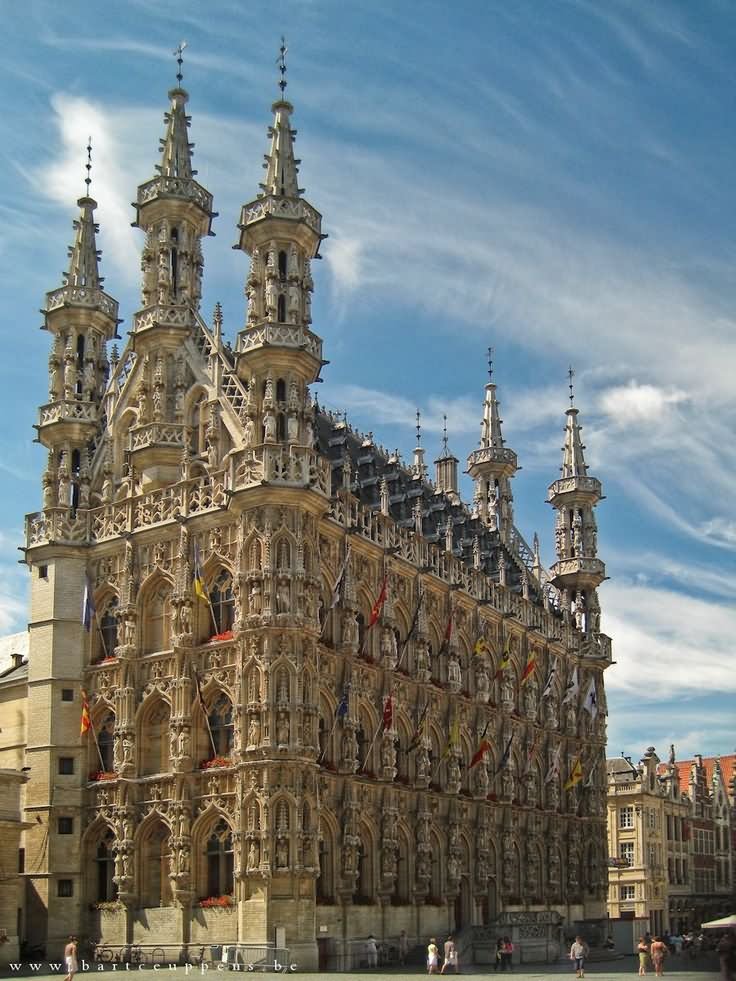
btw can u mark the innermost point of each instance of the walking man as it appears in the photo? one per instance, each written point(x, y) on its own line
point(578, 953)
point(70, 957)
point(450, 955)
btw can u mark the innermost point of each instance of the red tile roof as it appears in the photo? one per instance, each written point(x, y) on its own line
point(728, 769)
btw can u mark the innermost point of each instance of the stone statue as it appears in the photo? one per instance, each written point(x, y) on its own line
point(423, 767)
point(389, 651)
point(248, 431)
point(292, 429)
point(282, 729)
point(252, 862)
point(254, 731)
point(508, 783)
point(282, 854)
point(532, 791)
point(481, 780)
point(482, 682)
point(530, 699)
point(283, 596)
point(255, 598)
point(454, 778)
point(453, 868)
point(269, 428)
point(349, 629)
point(454, 674)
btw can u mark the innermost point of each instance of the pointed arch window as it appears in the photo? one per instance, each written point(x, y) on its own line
point(223, 602)
point(281, 428)
point(106, 890)
point(155, 740)
point(324, 882)
point(198, 426)
point(157, 620)
point(105, 742)
point(155, 882)
point(108, 633)
point(219, 856)
point(220, 721)
point(280, 390)
point(282, 309)
point(282, 265)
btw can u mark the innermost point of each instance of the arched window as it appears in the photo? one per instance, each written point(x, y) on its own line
point(106, 890)
point(324, 755)
point(108, 633)
point(324, 882)
point(223, 603)
point(364, 886)
point(155, 882)
point(198, 425)
point(280, 390)
point(220, 721)
point(174, 260)
point(219, 856)
point(157, 620)
point(105, 742)
point(280, 428)
point(360, 619)
point(282, 265)
point(282, 309)
point(155, 740)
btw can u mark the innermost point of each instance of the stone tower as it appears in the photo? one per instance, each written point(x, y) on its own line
point(492, 467)
point(578, 571)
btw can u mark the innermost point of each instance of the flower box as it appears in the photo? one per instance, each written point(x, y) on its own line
point(215, 902)
point(102, 775)
point(227, 635)
point(215, 763)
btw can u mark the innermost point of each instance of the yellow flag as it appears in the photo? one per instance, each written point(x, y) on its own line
point(197, 578)
point(576, 775)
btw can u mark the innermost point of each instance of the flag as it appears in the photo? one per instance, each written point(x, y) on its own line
point(573, 686)
point(531, 663)
point(591, 700)
point(506, 754)
point(343, 704)
point(197, 583)
point(419, 731)
point(481, 646)
point(453, 740)
point(550, 680)
point(505, 659)
point(483, 747)
point(576, 775)
point(554, 769)
point(88, 605)
point(378, 605)
point(337, 589)
point(448, 634)
point(388, 712)
point(86, 724)
point(200, 698)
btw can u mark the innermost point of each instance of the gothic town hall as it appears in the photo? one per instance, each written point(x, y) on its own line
point(320, 696)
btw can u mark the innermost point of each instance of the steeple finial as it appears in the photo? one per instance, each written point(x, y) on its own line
point(420, 471)
point(281, 62)
point(419, 428)
point(88, 166)
point(571, 375)
point(445, 450)
point(490, 364)
point(179, 55)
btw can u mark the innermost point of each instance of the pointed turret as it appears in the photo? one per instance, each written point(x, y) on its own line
point(492, 466)
point(82, 318)
point(445, 468)
point(175, 212)
point(276, 351)
point(578, 571)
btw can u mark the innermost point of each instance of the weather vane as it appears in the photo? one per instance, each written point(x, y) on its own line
point(179, 54)
point(281, 62)
point(88, 165)
point(571, 375)
point(490, 364)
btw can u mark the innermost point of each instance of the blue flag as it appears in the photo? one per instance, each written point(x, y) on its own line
point(342, 708)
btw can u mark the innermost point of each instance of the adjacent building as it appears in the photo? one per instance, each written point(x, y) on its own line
point(321, 697)
point(670, 840)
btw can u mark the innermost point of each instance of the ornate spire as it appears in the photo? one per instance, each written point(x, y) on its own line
point(492, 465)
point(84, 254)
point(578, 570)
point(419, 468)
point(281, 166)
point(176, 160)
point(573, 461)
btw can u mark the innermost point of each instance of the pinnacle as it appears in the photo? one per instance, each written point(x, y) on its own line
point(176, 160)
point(83, 254)
point(282, 168)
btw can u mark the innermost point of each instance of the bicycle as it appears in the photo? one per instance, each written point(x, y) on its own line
point(104, 955)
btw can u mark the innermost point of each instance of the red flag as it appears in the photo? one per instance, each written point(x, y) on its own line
point(531, 664)
point(86, 720)
point(388, 712)
point(378, 605)
point(445, 646)
point(480, 752)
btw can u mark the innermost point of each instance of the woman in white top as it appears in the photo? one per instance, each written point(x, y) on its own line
point(433, 957)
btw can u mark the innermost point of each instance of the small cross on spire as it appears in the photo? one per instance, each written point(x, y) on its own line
point(281, 62)
point(419, 428)
point(444, 433)
point(490, 364)
point(179, 55)
point(88, 165)
point(571, 375)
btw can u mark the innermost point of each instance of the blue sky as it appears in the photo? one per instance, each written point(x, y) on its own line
point(553, 179)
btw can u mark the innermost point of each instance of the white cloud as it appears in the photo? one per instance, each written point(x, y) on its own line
point(636, 403)
point(667, 643)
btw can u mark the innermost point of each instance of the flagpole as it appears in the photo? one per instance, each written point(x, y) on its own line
point(97, 745)
point(381, 728)
point(102, 636)
point(200, 699)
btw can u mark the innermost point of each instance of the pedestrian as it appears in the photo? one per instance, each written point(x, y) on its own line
point(450, 955)
point(578, 953)
point(727, 954)
point(508, 955)
point(403, 947)
point(433, 956)
point(70, 957)
point(643, 952)
point(371, 949)
point(676, 941)
point(498, 962)
point(658, 952)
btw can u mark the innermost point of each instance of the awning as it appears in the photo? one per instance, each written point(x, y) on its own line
point(723, 924)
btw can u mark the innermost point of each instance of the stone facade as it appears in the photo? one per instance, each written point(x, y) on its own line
point(274, 750)
point(12, 898)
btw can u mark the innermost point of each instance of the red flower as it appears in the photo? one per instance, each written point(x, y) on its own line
point(227, 635)
point(215, 763)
